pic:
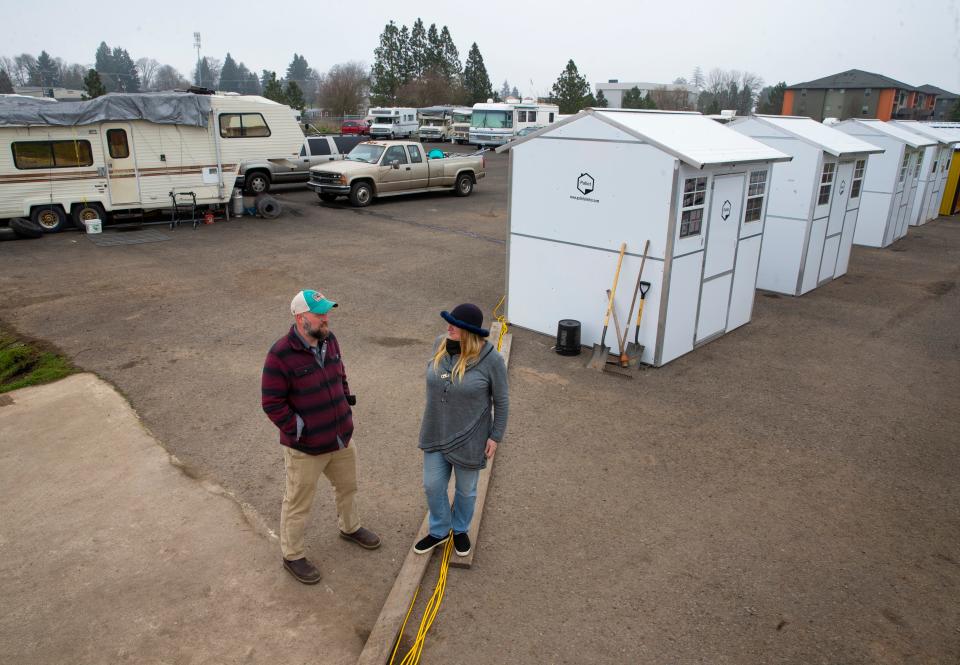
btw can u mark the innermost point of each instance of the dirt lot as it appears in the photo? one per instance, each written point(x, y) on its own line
point(786, 494)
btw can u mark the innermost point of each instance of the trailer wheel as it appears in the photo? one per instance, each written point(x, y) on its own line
point(25, 228)
point(258, 183)
point(84, 212)
point(361, 194)
point(464, 186)
point(329, 198)
point(6, 233)
point(51, 219)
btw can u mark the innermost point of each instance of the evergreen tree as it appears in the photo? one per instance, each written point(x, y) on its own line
point(203, 75)
point(450, 57)
point(298, 70)
point(293, 96)
point(505, 89)
point(635, 99)
point(648, 102)
point(230, 79)
point(434, 59)
point(771, 99)
point(6, 85)
point(272, 88)
point(713, 108)
point(476, 81)
point(124, 71)
point(696, 79)
point(48, 72)
point(515, 92)
point(251, 84)
point(571, 89)
point(386, 73)
point(418, 49)
point(601, 99)
point(406, 65)
point(92, 85)
point(955, 113)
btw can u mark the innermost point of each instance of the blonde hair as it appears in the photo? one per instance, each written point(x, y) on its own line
point(470, 346)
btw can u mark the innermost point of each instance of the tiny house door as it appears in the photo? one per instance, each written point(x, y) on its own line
point(838, 212)
point(122, 175)
point(723, 231)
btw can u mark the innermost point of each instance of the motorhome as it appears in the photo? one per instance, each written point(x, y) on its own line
point(461, 125)
point(436, 123)
point(76, 161)
point(497, 123)
point(393, 123)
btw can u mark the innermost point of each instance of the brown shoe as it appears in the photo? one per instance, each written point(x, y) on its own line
point(303, 570)
point(365, 538)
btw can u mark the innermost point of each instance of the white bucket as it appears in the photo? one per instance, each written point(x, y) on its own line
point(93, 225)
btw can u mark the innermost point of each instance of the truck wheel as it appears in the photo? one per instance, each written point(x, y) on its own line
point(464, 186)
point(361, 194)
point(83, 212)
point(329, 198)
point(258, 183)
point(50, 218)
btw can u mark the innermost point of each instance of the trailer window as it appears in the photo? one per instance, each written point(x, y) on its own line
point(51, 154)
point(758, 187)
point(117, 143)
point(857, 178)
point(243, 125)
point(826, 183)
point(694, 200)
point(319, 147)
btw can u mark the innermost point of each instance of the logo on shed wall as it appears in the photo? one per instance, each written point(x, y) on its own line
point(585, 183)
point(843, 186)
point(725, 210)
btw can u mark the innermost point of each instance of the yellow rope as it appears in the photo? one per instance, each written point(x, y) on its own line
point(429, 613)
point(504, 324)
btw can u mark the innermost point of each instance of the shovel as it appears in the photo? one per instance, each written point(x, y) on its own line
point(598, 358)
point(635, 350)
point(618, 366)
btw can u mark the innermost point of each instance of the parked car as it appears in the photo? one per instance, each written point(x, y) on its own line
point(354, 127)
point(388, 168)
point(257, 176)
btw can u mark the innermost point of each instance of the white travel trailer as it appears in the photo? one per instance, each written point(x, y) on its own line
point(461, 125)
point(933, 170)
point(75, 161)
point(891, 184)
point(814, 201)
point(692, 187)
point(497, 123)
point(393, 123)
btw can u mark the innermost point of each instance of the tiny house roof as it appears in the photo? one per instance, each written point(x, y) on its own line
point(831, 141)
point(690, 137)
point(939, 134)
point(911, 139)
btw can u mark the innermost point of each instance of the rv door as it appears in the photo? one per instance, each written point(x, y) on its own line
point(122, 174)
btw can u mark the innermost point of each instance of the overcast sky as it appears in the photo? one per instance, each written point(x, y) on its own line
point(527, 43)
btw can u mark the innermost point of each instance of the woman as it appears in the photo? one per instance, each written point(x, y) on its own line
point(459, 433)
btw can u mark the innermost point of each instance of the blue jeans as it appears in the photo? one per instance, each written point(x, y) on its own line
point(436, 477)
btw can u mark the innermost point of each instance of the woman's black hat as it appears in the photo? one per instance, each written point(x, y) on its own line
point(468, 317)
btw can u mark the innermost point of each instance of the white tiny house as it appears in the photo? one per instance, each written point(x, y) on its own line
point(814, 201)
point(891, 185)
point(933, 170)
point(74, 161)
point(692, 187)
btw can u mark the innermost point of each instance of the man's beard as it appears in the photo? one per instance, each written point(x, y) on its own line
point(318, 334)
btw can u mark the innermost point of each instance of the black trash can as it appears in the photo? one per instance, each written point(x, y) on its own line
point(568, 337)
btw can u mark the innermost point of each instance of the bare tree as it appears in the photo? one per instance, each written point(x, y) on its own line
point(71, 76)
point(168, 78)
point(730, 89)
point(671, 100)
point(148, 71)
point(345, 88)
point(24, 69)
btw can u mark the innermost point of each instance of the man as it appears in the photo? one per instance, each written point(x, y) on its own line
point(305, 393)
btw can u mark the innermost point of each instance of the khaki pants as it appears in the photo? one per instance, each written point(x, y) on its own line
point(303, 472)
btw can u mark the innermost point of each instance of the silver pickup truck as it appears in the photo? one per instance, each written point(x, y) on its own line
point(257, 176)
point(389, 168)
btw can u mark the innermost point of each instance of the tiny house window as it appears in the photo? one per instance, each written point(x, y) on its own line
point(551, 117)
point(934, 168)
point(117, 143)
point(826, 183)
point(51, 154)
point(903, 166)
point(694, 200)
point(758, 187)
point(243, 125)
point(857, 178)
point(916, 171)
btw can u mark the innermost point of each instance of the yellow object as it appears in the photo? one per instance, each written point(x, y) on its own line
point(950, 204)
point(502, 320)
point(429, 613)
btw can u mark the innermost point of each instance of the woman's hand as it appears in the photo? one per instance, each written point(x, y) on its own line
point(491, 448)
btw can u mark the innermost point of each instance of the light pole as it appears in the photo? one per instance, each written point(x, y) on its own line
point(196, 45)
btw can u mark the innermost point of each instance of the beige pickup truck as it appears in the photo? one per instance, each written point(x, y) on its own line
point(389, 168)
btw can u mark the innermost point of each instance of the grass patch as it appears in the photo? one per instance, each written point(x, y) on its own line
point(23, 364)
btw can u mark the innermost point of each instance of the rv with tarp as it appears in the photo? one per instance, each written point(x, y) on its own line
point(65, 163)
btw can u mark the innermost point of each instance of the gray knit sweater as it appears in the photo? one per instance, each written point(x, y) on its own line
point(457, 419)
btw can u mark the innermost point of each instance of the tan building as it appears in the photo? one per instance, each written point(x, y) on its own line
point(859, 94)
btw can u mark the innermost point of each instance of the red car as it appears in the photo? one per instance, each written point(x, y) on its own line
point(354, 127)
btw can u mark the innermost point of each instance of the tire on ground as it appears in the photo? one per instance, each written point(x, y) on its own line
point(6, 233)
point(25, 228)
point(82, 212)
point(361, 194)
point(51, 219)
point(268, 207)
